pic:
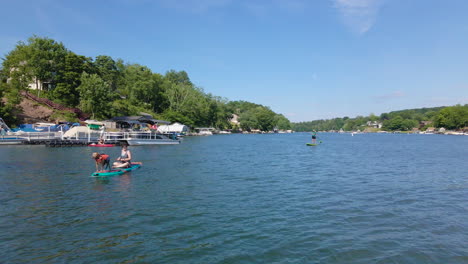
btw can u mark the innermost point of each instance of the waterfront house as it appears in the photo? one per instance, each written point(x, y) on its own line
point(234, 120)
point(374, 124)
point(424, 123)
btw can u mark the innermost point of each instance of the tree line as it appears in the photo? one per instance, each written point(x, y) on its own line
point(451, 117)
point(105, 87)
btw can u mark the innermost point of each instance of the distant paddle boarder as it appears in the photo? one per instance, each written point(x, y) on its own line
point(314, 137)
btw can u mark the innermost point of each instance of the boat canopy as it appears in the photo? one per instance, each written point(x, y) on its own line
point(143, 119)
point(173, 128)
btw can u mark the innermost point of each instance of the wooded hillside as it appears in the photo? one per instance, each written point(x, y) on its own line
point(104, 87)
point(453, 117)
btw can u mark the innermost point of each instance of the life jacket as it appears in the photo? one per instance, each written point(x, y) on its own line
point(102, 158)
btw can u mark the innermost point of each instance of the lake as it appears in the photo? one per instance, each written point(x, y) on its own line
point(368, 198)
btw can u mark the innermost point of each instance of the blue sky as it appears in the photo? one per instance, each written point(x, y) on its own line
point(306, 59)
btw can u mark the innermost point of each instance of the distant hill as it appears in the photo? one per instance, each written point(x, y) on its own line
point(451, 117)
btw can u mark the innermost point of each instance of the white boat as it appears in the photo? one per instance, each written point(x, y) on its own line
point(204, 131)
point(5, 135)
point(11, 140)
point(144, 138)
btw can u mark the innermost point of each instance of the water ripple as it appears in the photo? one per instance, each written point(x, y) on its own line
point(242, 199)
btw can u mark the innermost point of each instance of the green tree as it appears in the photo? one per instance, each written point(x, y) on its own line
point(282, 122)
point(8, 109)
point(94, 95)
point(178, 77)
point(248, 121)
point(454, 117)
point(265, 118)
point(69, 79)
point(373, 117)
point(109, 71)
point(178, 96)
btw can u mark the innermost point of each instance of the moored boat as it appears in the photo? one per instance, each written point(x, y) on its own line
point(11, 140)
point(101, 145)
point(134, 139)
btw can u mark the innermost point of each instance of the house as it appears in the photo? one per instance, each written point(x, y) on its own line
point(235, 119)
point(35, 84)
point(374, 124)
point(424, 123)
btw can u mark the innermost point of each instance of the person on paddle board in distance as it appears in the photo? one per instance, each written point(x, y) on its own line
point(125, 159)
point(314, 137)
point(102, 160)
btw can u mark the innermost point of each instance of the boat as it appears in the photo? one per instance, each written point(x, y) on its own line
point(8, 139)
point(11, 140)
point(204, 131)
point(175, 129)
point(145, 138)
point(101, 145)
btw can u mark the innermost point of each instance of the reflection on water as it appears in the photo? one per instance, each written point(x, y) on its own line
point(241, 199)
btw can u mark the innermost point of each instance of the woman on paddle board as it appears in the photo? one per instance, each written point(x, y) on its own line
point(314, 136)
point(125, 159)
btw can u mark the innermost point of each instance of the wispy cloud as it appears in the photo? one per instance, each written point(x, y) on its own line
point(389, 96)
point(358, 15)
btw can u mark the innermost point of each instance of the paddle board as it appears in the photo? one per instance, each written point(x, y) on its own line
point(310, 144)
point(107, 173)
point(117, 171)
point(133, 167)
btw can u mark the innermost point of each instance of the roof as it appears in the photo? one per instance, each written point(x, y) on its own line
point(176, 127)
point(125, 118)
point(154, 121)
point(94, 122)
point(138, 118)
point(130, 121)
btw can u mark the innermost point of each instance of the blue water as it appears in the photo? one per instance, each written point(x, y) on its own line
point(370, 198)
